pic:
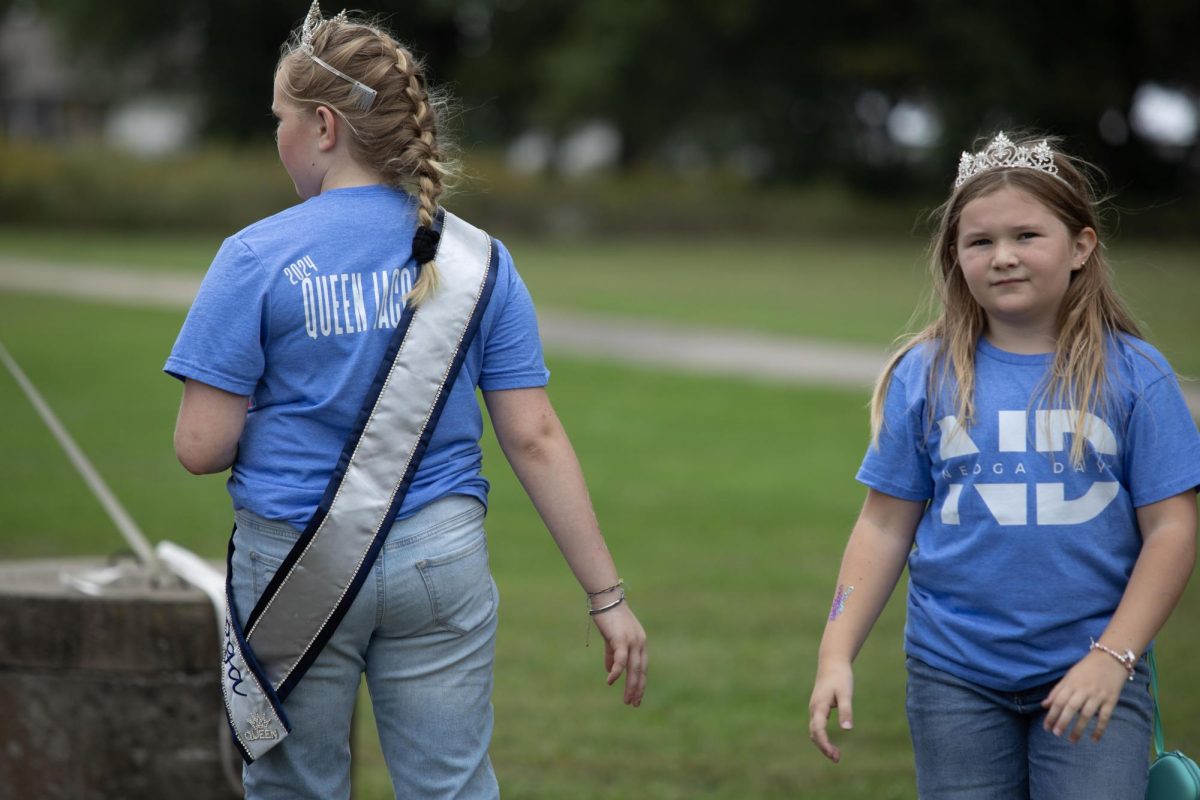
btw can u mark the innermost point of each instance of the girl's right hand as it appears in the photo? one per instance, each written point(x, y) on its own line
point(833, 688)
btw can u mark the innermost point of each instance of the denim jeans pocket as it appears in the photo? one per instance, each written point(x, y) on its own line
point(266, 547)
point(263, 569)
point(462, 595)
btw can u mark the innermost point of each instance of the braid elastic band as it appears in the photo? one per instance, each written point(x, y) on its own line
point(425, 244)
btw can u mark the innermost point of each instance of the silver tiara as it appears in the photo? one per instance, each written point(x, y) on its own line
point(362, 95)
point(1001, 153)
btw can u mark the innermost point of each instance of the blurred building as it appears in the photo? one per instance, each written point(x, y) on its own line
point(37, 95)
point(49, 94)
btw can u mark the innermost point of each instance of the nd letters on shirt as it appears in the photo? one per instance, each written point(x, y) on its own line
point(1021, 556)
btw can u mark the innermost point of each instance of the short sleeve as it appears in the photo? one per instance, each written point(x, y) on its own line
point(1162, 456)
point(221, 342)
point(512, 348)
point(898, 464)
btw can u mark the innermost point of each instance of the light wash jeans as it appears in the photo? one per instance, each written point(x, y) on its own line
point(973, 743)
point(423, 629)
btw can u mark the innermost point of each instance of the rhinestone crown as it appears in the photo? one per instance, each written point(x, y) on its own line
point(1001, 153)
point(362, 95)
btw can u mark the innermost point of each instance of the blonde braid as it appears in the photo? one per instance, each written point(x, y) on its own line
point(421, 156)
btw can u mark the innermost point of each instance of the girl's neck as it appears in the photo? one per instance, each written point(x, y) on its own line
point(347, 174)
point(1022, 340)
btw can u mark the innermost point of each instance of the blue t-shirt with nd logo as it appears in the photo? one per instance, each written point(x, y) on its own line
point(1020, 555)
point(296, 313)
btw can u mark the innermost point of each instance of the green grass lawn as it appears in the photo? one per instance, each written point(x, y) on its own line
point(726, 503)
point(856, 291)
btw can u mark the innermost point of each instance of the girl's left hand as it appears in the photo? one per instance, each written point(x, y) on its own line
point(624, 650)
point(1090, 689)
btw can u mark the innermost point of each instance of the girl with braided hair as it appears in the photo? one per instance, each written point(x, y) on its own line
point(278, 354)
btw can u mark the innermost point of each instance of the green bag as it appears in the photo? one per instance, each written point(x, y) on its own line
point(1173, 776)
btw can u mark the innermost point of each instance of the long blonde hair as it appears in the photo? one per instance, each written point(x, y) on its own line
point(1090, 314)
point(398, 135)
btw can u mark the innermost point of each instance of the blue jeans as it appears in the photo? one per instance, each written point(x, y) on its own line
point(422, 629)
point(973, 743)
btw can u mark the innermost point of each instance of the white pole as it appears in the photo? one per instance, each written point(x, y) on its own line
point(116, 511)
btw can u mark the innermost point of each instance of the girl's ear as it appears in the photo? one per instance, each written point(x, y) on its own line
point(1085, 243)
point(327, 129)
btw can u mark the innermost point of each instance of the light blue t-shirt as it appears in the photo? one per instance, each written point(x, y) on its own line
point(1021, 557)
point(296, 312)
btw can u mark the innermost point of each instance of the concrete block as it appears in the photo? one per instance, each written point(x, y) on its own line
point(109, 698)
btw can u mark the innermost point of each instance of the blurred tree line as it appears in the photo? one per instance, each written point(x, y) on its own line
point(792, 91)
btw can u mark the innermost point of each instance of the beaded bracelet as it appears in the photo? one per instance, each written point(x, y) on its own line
point(620, 584)
point(1127, 659)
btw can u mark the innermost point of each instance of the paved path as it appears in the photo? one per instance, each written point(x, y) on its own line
point(698, 349)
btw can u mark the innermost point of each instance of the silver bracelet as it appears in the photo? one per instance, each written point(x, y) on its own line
point(1127, 659)
point(594, 611)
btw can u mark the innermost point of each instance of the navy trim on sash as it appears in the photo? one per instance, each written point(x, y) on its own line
point(247, 655)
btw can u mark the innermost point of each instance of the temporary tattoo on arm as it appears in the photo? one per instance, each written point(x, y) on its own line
point(839, 601)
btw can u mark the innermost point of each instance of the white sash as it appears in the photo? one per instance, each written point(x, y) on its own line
point(319, 579)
